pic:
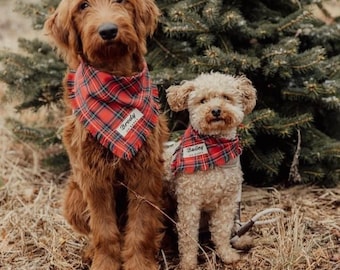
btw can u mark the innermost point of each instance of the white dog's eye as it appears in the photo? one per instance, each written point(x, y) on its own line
point(203, 100)
point(84, 5)
point(226, 97)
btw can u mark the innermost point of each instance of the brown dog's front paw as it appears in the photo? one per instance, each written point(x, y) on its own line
point(140, 264)
point(105, 262)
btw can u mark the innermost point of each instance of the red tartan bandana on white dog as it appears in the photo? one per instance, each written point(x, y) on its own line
point(120, 112)
point(202, 152)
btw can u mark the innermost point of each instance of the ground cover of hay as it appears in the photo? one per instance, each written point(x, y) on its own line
point(34, 235)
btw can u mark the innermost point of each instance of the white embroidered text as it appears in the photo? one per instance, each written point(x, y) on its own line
point(195, 150)
point(129, 122)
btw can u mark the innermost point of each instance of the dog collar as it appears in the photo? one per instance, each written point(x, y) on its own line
point(120, 112)
point(198, 152)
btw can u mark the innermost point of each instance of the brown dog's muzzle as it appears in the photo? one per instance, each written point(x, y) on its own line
point(108, 31)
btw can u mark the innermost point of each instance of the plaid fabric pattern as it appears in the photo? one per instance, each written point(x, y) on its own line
point(201, 152)
point(120, 112)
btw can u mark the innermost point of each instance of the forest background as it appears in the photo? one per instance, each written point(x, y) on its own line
point(34, 235)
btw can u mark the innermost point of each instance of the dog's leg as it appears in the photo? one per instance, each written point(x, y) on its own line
point(189, 214)
point(143, 231)
point(221, 224)
point(105, 235)
point(75, 208)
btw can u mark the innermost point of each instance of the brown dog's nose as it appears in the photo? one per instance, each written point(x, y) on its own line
point(216, 112)
point(108, 31)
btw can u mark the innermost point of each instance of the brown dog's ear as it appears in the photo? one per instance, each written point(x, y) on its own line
point(248, 93)
point(61, 33)
point(146, 18)
point(177, 96)
point(152, 17)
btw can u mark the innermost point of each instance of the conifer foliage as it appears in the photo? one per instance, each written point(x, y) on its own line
point(292, 58)
point(34, 78)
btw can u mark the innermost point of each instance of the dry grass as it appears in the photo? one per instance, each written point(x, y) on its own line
point(34, 235)
point(308, 236)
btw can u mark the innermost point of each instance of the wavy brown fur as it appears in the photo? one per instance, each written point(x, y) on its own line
point(95, 197)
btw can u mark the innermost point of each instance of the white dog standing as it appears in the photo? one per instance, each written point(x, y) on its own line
point(205, 169)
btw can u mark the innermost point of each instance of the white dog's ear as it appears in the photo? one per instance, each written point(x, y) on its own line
point(177, 96)
point(248, 93)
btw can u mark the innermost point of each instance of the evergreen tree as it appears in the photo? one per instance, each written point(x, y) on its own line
point(292, 59)
point(34, 77)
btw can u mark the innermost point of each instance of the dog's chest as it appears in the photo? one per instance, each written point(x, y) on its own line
point(212, 186)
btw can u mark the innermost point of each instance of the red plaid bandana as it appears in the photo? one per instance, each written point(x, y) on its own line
point(119, 112)
point(202, 152)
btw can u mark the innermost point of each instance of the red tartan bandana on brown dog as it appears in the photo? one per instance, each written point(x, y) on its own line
point(120, 112)
point(202, 152)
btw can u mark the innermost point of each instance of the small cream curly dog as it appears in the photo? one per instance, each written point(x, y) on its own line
point(205, 170)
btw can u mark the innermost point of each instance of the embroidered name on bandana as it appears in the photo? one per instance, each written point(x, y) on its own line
point(200, 152)
point(120, 112)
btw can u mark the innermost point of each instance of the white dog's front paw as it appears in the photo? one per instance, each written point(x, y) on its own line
point(230, 257)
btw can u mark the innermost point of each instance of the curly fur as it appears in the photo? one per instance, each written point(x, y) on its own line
point(213, 191)
point(96, 196)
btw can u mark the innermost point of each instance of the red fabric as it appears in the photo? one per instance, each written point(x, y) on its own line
point(201, 152)
point(120, 112)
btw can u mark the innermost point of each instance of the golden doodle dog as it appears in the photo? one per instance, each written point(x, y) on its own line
point(204, 168)
point(113, 133)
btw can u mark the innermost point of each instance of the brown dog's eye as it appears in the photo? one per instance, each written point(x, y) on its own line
point(225, 97)
point(118, 1)
point(84, 5)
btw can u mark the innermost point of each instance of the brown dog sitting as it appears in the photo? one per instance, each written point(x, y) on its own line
point(113, 132)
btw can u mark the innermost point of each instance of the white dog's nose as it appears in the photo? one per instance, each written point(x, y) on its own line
point(216, 112)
